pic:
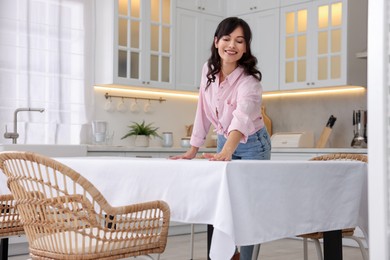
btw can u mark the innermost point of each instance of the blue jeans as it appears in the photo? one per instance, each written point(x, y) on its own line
point(257, 147)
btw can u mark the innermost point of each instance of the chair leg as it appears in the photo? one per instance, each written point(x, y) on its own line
point(192, 242)
point(318, 249)
point(255, 253)
point(362, 248)
point(305, 250)
point(4, 248)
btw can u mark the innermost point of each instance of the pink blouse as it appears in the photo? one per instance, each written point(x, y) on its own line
point(234, 104)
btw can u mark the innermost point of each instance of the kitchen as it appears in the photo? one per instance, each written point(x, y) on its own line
point(288, 113)
point(299, 112)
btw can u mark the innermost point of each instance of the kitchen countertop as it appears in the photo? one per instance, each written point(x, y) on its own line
point(81, 150)
point(319, 150)
point(114, 148)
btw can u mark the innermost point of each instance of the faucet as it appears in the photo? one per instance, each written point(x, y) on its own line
point(14, 135)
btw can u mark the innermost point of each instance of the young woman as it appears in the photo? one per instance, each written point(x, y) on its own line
point(230, 100)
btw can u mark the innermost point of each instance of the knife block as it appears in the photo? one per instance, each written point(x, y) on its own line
point(324, 137)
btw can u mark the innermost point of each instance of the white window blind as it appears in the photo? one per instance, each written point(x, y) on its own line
point(46, 62)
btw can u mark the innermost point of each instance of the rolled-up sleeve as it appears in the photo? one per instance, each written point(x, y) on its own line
point(202, 122)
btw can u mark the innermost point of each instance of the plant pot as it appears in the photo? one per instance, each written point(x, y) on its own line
point(142, 141)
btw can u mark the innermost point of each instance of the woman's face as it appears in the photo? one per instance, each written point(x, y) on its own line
point(231, 47)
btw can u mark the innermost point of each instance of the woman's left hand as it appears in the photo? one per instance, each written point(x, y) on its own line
point(222, 156)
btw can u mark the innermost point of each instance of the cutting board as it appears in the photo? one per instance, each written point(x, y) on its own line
point(267, 121)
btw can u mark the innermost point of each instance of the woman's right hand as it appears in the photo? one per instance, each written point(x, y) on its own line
point(190, 154)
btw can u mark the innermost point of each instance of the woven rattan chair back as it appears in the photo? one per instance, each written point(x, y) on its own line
point(10, 224)
point(341, 157)
point(66, 217)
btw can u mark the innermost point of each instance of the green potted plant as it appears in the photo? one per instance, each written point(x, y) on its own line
point(142, 132)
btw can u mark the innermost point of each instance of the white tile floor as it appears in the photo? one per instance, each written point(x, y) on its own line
point(178, 248)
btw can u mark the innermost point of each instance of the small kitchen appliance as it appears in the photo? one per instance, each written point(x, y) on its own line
point(167, 139)
point(359, 121)
point(292, 140)
point(99, 131)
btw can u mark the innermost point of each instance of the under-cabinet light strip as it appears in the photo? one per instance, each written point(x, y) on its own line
point(150, 92)
point(338, 90)
point(318, 91)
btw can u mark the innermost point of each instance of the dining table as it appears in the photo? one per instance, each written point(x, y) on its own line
point(248, 202)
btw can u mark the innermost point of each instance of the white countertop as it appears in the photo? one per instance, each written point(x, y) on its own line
point(113, 148)
point(81, 150)
point(319, 150)
point(58, 150)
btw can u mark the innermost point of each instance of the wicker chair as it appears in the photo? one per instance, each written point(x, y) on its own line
point(346, 233)
point(10, 224)
point(66, 217)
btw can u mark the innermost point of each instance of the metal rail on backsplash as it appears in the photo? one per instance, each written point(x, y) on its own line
point(135, 98)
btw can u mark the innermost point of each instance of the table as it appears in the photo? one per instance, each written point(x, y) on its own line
point(247, 202)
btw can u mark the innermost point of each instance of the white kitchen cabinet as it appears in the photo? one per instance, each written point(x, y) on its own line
point(194, 37)
point(134, 43)
point(215, 7)
point(319, 41)
point(265, 45)
point(293, 2)
point(235, 7)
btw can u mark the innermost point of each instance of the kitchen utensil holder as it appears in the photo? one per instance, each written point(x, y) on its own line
point(360, 129)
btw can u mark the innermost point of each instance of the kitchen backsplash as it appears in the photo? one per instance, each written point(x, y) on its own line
point(311, 113)
point(288, 114)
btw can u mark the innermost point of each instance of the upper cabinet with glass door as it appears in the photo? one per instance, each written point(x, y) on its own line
point(141, 44)
point(293, 2)
point(319, 42)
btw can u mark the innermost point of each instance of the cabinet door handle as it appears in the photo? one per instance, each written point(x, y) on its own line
point(313, 83)
point(308, 83)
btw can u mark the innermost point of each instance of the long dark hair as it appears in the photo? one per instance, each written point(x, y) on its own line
point(247, 61)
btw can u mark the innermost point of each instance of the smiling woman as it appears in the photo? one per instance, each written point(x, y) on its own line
point(45, 62)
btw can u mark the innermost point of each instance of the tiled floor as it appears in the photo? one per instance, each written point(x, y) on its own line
point(178, 248)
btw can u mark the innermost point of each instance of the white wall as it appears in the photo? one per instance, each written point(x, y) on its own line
point(170, 116)
point(308, 113)
point(378, 151)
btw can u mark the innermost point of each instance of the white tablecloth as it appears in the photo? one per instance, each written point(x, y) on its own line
point(248, 202)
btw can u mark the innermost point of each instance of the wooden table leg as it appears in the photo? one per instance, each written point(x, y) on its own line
point(4, 249)
point(333, 245)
